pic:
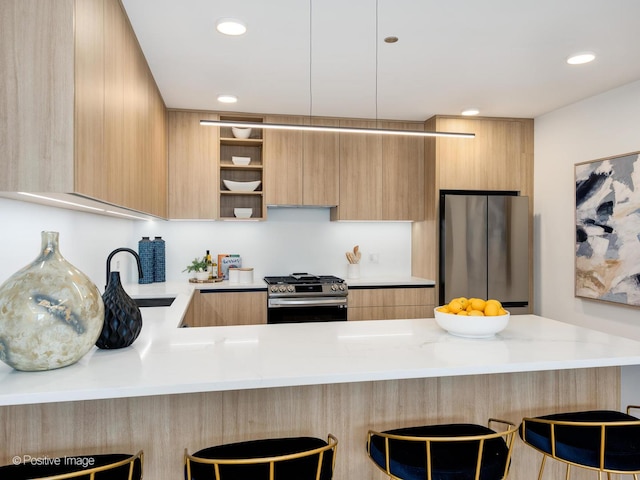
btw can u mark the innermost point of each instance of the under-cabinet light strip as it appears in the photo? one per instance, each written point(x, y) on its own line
point(320, 128)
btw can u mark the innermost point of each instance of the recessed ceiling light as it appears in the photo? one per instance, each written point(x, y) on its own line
point(580, 58)
point(231, 26)
point(468, 112)
point(227, 98)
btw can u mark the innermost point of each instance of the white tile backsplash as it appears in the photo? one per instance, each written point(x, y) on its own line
point(291, 240)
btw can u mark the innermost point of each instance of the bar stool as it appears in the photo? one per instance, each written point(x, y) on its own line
point(115, 466)
point(444, 452)
point(602, 440)
point(296, 458)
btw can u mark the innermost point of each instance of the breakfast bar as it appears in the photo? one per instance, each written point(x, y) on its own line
point(196, 387)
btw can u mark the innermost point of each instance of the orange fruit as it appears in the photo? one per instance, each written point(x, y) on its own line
point(454, 306)
point(462, 312)
point(491, 310)
point(478, 304)
point(502, 311)
point(493, 300)
point(476, 313)
point(464, 302)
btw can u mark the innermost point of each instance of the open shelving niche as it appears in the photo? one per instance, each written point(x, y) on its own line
point(250, 147)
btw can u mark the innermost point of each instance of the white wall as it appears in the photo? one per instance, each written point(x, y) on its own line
point(601, 126)
point(292, 240)
point(85, 239)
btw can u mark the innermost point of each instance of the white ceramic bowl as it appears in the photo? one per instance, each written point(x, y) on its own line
point(243, 212)
point(471, 327)
point(241, 132)
point(241, 186)
point(241, 160)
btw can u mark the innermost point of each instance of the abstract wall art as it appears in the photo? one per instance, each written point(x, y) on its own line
point(607, 265)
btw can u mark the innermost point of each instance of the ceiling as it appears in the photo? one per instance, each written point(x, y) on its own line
point(328, 57)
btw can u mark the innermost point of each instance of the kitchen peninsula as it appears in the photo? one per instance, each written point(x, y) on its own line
point(194, 387)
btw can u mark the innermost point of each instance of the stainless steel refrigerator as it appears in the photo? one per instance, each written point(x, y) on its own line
point(484, 248)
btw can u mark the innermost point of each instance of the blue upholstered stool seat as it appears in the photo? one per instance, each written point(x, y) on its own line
point(301, 468)
point(580, 443)
point(450, 460)
point(46, 467)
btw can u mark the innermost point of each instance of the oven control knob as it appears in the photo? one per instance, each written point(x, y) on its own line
point(273, 288)
point(342, 287)
point(291, 288)
point(283, 288)
point(334, 287)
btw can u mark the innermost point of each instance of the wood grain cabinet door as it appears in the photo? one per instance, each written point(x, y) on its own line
point(360, 174)
point(321, 166)
point(403, 174)
point(284, 154)
point(193, 166)
point(220, 308)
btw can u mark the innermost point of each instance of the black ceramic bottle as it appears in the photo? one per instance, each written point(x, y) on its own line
point(122, 317)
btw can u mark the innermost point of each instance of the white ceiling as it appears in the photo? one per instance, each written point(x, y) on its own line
point(505, 57)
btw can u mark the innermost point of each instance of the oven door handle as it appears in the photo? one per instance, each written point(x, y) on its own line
point(307, 302)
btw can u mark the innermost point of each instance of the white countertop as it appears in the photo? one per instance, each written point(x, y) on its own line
point(169, 360)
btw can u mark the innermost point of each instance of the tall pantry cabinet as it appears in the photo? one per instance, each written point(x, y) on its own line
point(82, 112)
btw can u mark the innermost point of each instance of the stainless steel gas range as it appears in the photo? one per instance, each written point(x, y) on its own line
point(302, 297)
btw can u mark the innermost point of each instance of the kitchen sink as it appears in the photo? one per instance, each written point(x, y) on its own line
point(154, 302)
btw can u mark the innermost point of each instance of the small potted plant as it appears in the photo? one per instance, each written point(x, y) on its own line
point(199, 267)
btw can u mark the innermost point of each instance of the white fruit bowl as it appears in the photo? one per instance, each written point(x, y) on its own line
point(241, 186)
point(471, 326)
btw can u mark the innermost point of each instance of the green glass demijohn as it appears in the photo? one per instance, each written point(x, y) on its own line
point(50, 312)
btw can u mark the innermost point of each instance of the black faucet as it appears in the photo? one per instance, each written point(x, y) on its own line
point(132, 252)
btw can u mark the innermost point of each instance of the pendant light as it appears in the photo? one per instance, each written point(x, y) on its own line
point(340, 129)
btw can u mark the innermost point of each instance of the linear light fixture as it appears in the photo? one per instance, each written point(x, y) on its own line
point(321, 128)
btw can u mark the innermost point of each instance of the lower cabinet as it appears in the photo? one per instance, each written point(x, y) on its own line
point(391, 303)
point(217, 308)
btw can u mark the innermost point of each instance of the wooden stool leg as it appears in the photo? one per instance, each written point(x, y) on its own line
point(568, 471)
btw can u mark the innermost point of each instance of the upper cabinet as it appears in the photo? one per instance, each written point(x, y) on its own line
point(360, 174)
point(500, 157)
point(193, 166)
point(303, 165)
point(403, 179)
point(84, 113)
point(285, 151)
point(381, 176)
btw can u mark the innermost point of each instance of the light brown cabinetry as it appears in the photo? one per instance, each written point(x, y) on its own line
point(193, 166)
point(360, 174)
point(390, 303)
point(251, 147)
point(499, 158)
point(402, 174)
point(381, 176)
point(84, 113)
point(303, 165)
point(220, 308)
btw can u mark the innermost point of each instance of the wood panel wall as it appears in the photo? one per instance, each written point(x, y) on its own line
point(164, 425)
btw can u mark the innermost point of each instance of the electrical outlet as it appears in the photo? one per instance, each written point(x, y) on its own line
point(374, 258)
